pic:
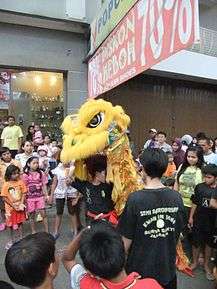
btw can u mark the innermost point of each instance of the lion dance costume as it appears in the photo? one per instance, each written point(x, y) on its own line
point(100, 127)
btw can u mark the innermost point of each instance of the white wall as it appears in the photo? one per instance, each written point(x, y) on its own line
point(92, 7)
point(60, 9)
point(189, 64)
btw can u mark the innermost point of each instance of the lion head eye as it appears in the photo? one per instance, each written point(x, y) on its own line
point(96, 120)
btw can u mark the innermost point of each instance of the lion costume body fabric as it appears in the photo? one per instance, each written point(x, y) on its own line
point(100, 127)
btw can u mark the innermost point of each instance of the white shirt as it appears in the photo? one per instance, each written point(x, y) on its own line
point(76, 274)
point(210, 158)
point(62, 190)
point(23, 158)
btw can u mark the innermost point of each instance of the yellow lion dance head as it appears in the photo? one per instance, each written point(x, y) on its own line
point(96, 126)
point(100, 127)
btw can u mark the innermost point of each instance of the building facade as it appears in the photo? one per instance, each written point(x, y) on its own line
point(178, 95)
point(44, 43)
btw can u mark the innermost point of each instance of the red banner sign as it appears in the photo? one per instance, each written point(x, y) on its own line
point(152, 31)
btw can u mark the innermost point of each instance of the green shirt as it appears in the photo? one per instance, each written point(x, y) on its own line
point(187, 183)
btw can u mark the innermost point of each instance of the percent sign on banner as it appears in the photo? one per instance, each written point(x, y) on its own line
point(151, 31)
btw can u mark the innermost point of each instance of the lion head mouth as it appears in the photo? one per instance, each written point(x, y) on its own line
point(97, 125)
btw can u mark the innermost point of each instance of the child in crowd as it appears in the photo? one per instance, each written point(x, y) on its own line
point(55, 158)
point(30, 134)
point(43, 158)
point(96, 192)
point(103, 256)
point(171, 168)
point(13, 193)
point(169, 182)
point(37, 138)
point(203, 217)
point(32, 261)
point(35, 181)
point(62, 192)
point(5, 161)
point(54, 143)
point(48, 145)
point(188, 176)
point(27, 152)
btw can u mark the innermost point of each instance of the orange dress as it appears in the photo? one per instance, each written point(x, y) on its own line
point(170, 171)
point(13, 192)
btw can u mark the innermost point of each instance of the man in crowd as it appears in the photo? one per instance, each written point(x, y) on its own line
point(161, 143)
point(209, 156)
point(151, 224)
point(11, 136)
point(150, 143)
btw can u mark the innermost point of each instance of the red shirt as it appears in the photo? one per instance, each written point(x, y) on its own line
point(131, 281)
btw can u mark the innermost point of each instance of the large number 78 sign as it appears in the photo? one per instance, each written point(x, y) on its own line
point(152, 30)
point(152, 11)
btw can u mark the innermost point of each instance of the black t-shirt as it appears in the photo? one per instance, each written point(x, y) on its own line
point(204, 216)
point(153, 220)
point(98, 198)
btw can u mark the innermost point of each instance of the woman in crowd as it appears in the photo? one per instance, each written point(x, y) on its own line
point(178, 153)
point(30, 134)
point(26, 153)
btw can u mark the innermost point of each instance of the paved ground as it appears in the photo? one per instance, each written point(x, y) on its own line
point(62, 280)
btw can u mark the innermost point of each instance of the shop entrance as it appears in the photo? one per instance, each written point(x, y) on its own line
point(33, 97)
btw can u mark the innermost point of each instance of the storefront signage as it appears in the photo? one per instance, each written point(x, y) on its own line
point(109, 16)
point(152, 31)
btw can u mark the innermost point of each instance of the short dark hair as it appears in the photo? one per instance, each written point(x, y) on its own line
point(200, 135)
point(162, 132)
point(5, 285)
point(11, 169)
point(154, 162)
point(102, 250)
point(96, 163)
point(28, 260)
point(207, 139)
point(4, 150)
point(169, 182)
point(210, 169)
point(10, 116)
point(47, 135)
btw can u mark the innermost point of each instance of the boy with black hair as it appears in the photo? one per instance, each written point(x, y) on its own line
point(161, 138)
point(209, 156)
point(102, 253)
point(151, 224)
point(203, 217)
point(31, 262)
point(96, 192)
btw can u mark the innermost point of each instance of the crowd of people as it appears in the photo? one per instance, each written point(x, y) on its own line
point(137, 250)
